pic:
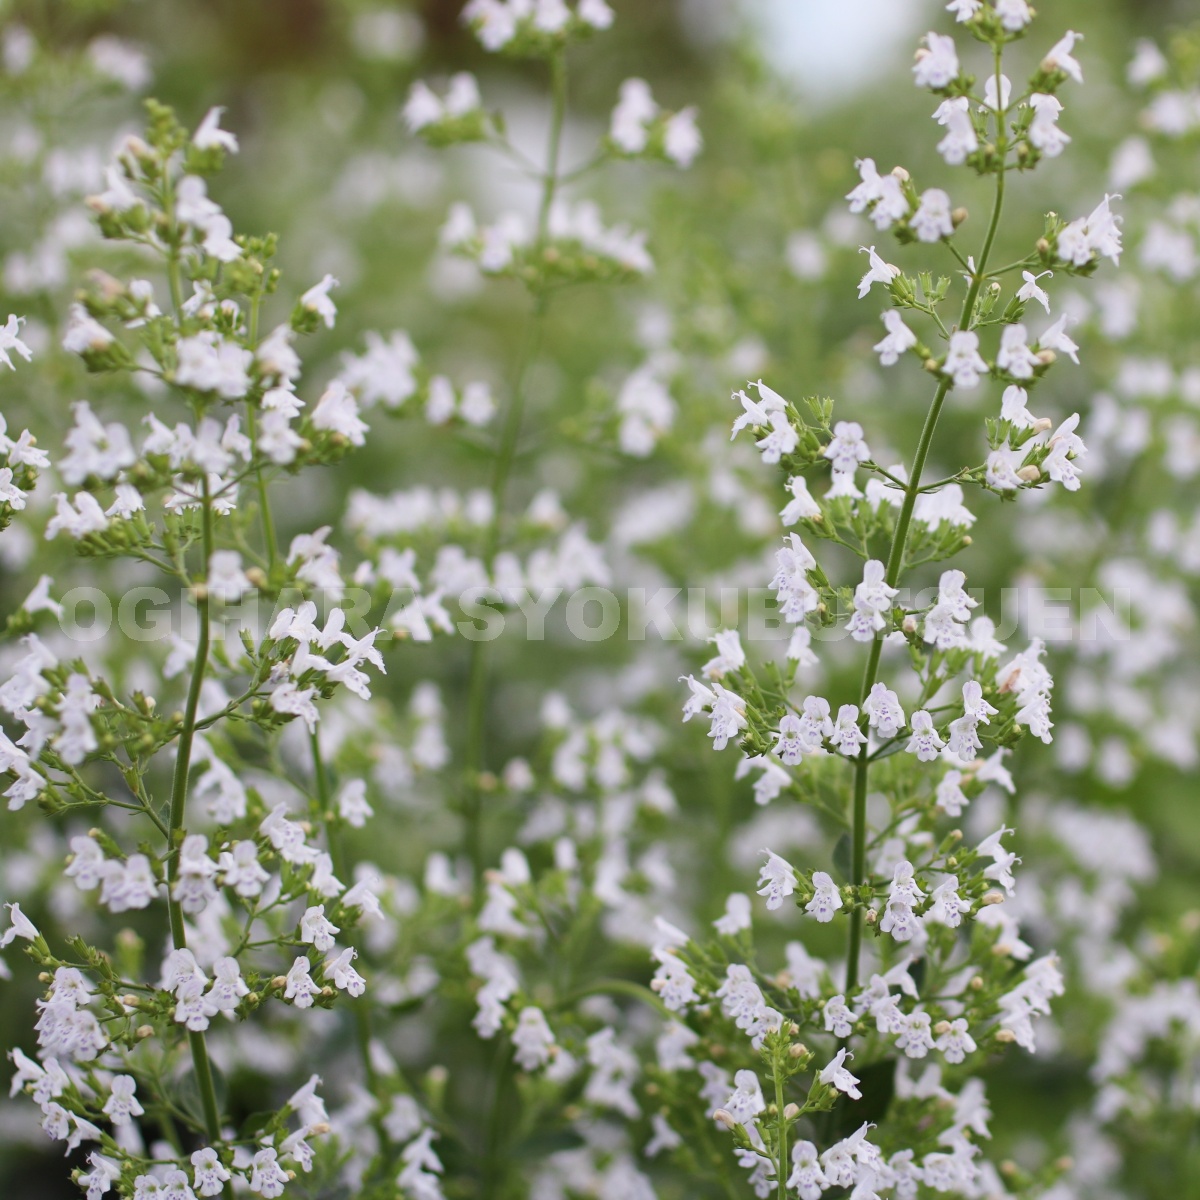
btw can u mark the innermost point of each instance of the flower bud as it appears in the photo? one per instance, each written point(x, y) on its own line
point(1005, 1035)
point(872, 916)
point(993, 898)
point(791, 1112)
point(942, 1027)
point(901, 174)
point(1042, 424)
point(1029, 474)
point(799, 1050)
point(724, 1118)
point(145, 1031)
point(1046, 357)
point(958, 216)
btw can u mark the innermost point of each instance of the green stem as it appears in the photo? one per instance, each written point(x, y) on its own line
point(179, 788)
point(173, 279)
point(781, 1147)
point(264, 503)
point(550, 180)
point(895, 563)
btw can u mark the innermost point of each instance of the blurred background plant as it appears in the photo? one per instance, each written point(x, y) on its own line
point(755, 257)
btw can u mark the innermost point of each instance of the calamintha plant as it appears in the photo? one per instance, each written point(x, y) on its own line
point(949, 978)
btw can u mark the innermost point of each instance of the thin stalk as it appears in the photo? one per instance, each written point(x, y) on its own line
point(174, 282)
point(895, 562)
point(179, 788)
point(472, 809)
point(264, 503)
point(781, 1145)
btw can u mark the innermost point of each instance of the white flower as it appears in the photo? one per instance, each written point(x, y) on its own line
point(595, 13)
point(337, 412)
point(866, 192)
point(1059, 56)
point(1098, 234)
point(891, 205)
point(924, 742)
point(737, 915)
point(300, 988)
point(782, 439)
point(532, 1040)
point(1014, 14)
point(1044, 132)
point(937, 65)
point(628, 127)
point(880, 271)
point(997, 101)
point(1029, 290)
point(343, 974)
point(899, 339)
point(209, 1173)
point(834, 1074)
point(847, 448)
point(317, 300)
point(209, 133)
point(963, 362)
point(915, 1038)
point(956, 1043)
point(1065, 447)
point(9, 340)
point(961, 139)
point(883, 710)
point(1147, 65)
point(946, 905)
point(872, 599)
point(807, 1177)
point(933, 221)
point(963, 10)
point(802, 507)
point(122, 1104)
point(826, 898)
point(1055, 338)
point(847, 737)
point(226, 579)
point(267, 1177)
point(82, 333)
point(747, 1100)
point(1014, 355)
point(730, 655)
point(1002, 860)
point(316, 929)
point(778, 878)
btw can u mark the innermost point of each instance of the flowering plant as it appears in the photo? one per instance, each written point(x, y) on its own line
point(362, 868)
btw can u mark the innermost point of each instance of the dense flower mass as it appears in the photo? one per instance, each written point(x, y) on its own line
point(475, 723)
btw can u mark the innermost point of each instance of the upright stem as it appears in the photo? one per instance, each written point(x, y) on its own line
point(550, 179)
point(175, 834)
point(899, 546)
point(501, 472)
point(264, 502)
point(781, 1143)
